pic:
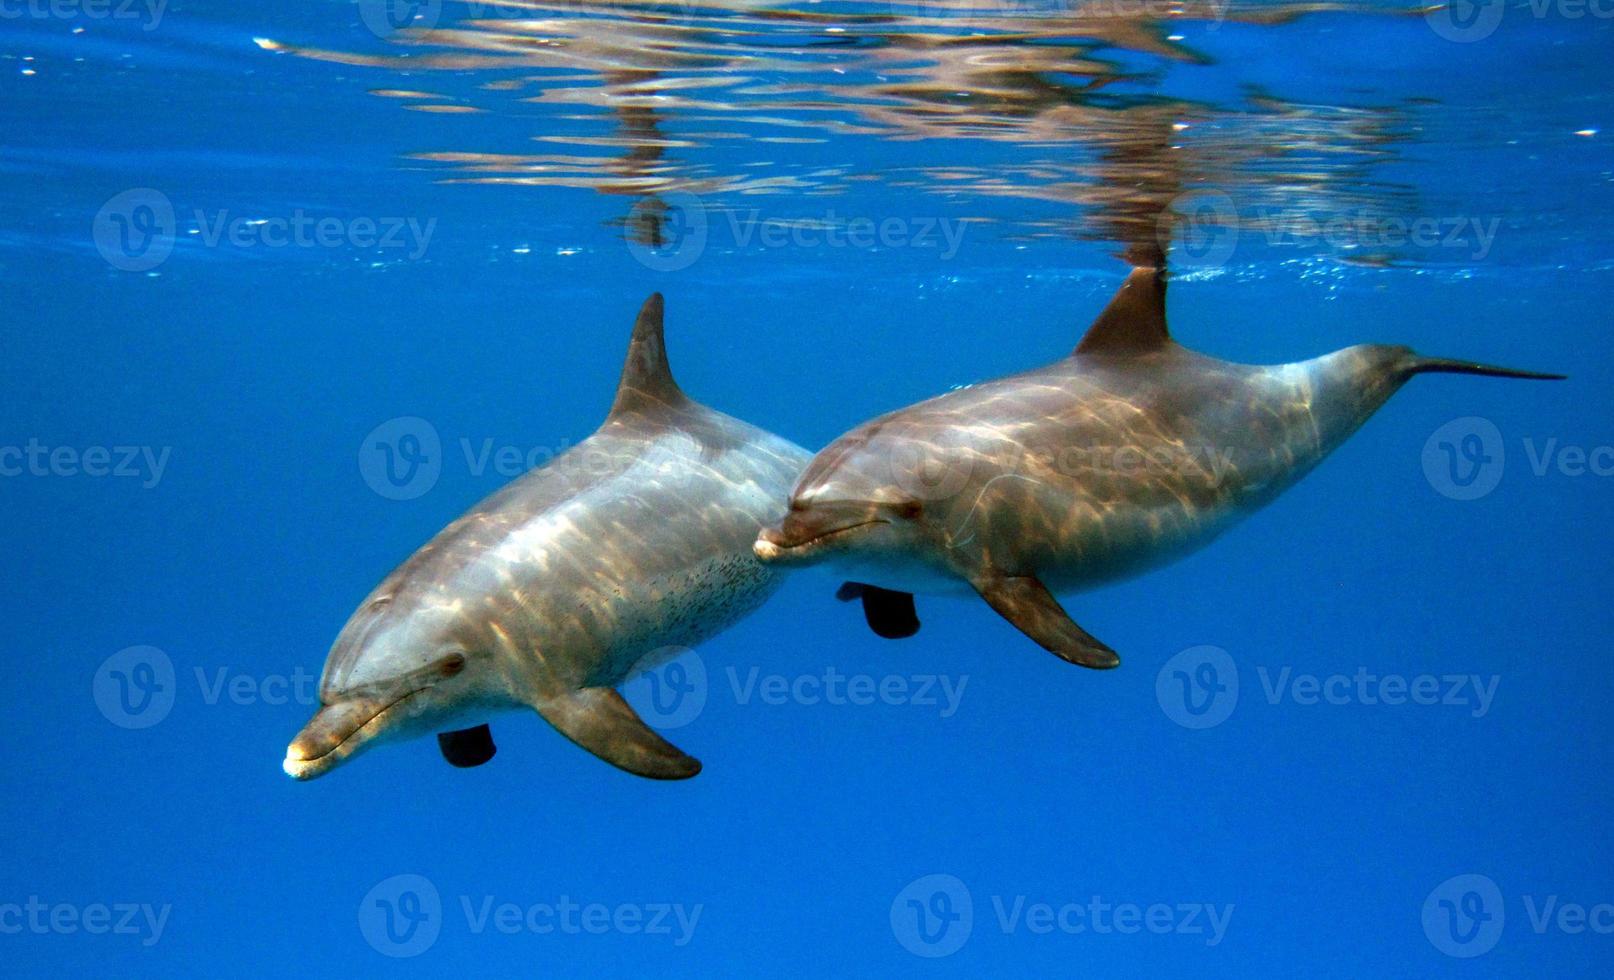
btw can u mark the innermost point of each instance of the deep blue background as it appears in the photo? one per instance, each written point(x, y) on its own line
point(1326, 827)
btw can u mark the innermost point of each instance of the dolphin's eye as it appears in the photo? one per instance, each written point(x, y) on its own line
point(910, 509)
point(452, 664)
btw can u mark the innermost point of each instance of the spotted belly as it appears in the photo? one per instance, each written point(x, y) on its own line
point(672, 613)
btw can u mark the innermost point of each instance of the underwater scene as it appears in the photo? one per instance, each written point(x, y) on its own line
point(1113, 488)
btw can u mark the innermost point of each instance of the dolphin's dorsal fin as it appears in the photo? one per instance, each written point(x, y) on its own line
point(1135, 320)
point(647, 383)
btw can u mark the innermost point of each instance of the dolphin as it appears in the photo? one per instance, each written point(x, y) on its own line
point(563, 584)
point(1128, 453)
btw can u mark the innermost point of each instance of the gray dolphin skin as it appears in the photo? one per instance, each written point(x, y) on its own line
point(1128, 453)
point(559, 586)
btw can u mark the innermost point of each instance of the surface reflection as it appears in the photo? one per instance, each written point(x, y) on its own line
point(1070, 91)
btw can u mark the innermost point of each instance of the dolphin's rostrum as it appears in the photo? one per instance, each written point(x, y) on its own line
point(1129, 452)
point(561, 585)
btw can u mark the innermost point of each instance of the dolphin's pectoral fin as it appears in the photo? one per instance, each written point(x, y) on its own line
point(600, 720)
point(468, 747)
point(1027, 603)
point(889, 614)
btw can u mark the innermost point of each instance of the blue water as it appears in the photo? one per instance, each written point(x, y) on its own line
point(1083, 823)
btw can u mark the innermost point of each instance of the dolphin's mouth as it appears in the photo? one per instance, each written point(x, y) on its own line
point(778, 545)
point(337, 731)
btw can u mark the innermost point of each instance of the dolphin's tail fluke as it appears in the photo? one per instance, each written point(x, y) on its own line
point(1441, 365)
